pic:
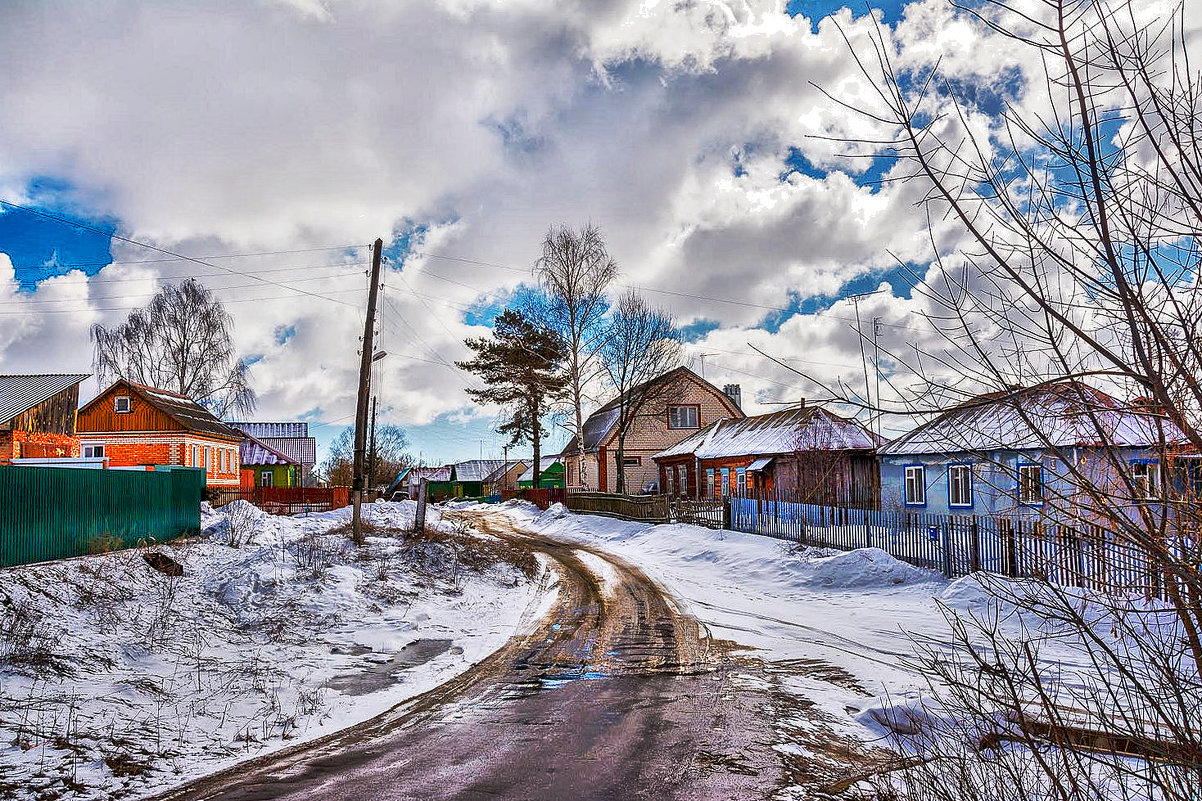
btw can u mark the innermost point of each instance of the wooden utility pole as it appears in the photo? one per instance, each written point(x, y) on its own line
point(371, 449)
point(369, 326)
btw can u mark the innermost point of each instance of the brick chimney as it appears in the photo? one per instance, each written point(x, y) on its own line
point(735, 393)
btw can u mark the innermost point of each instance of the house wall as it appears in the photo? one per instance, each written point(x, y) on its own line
point(24, 444)
point(99, 414)
point(282, 475)
point(649, 434)
point(995, 480)
point(167, 448)
point(45, 430)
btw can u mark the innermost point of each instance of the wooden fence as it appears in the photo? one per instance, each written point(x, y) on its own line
point(542, 497)
point(284, 500)
point(1077, 555)
point(644, 508)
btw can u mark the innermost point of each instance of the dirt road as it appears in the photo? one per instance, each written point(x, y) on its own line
point(614, 694)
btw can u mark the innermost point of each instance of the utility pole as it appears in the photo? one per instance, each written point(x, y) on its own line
point(876, 364)
point(369, 326)
point(371, 450)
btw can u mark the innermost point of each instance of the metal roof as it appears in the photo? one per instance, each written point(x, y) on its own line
point(180, 408)
point(759, 464)
point(263, 431)
point(504, 468)
point(256, 452)
point(20, 393)
point(796, 429)
point(1053, 415)
point(545, 464)
point(476, 469)
point(301, 449)
point(430, 473)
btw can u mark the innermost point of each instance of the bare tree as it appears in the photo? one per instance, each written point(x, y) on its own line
point(575, 271)
point(640, 345)
point(180, 342)
point(1066, 256)
point(391, 454)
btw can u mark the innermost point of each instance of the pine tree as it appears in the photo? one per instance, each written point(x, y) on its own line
point(521, 365)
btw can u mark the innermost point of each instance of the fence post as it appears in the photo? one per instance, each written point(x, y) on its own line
point(975, 545)
point(1008, 545)
point(419, 518)
point(726, 521)
point(947, 547)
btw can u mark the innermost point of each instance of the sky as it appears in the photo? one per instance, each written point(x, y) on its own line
point(271, 141)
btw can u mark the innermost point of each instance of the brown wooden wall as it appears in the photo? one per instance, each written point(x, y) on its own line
point(54, 415)
point(99, 415)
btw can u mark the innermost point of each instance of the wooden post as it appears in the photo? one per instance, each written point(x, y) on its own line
point(975, 544)
point(369, 325)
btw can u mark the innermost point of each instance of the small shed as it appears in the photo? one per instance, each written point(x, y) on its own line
point(38, 415)
point(264, 466)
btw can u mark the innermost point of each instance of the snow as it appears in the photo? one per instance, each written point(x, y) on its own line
point(117, 681)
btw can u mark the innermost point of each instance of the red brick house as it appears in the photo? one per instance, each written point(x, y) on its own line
point(678, 404)
point(133, 425)
point(37, 416)
point(803, 452)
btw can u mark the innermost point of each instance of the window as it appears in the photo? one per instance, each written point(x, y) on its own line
point(122, 404)
point(1145, 479)
point(915, 485)
point(683, 416)
point(670, 481)
point(195, 456)
point(93, 451)
point(266, 479)
point(631, 461)
point(741, 481)
point(682, 479)
point(725, 481)
point(709, 482)
point(1030, 484)
point(959, 485)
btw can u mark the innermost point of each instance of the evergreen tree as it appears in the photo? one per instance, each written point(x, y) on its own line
point(521, 365)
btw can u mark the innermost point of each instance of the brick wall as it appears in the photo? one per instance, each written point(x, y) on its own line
point(133, 450)
point(28, 445)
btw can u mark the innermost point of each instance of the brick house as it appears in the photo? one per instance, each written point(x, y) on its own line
point(133, 425)
point(804, 452)
point(38, 416)
point(679, 403)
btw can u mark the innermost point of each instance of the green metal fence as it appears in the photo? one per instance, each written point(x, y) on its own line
point(51, 513)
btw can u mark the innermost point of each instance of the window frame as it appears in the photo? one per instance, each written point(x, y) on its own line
point(741, 481)
point(632, 461)
point(1018, 485)
point(1151, 481)
point(921, 471)
point(710, 485)
point(676, 407)
point(670, 481)
point(266, 478)
point(966, 469)
point(129, 404)
point(93, 447)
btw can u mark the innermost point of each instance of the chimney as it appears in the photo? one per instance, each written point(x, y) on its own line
point(735, 393)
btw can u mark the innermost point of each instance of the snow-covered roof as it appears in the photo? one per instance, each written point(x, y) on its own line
point(504, 468)
point(255, 452)
point(798, 428)
point(291, 439)
point(545, 463)
point(180, 408)
point(20, 393)
point(261, 430)
point(430, 473)
point(476, 469)
point(1053, 415)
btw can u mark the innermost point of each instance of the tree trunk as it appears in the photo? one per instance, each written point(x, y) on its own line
point(621, 488)
point(538, 473)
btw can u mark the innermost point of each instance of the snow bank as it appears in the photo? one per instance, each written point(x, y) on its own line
point(864, 568)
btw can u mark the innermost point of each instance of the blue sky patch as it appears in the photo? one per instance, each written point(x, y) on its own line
point(817, 10)
point(41, 247)
point(696, 330)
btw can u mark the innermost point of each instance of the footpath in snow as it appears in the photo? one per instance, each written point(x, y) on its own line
point(117, 681)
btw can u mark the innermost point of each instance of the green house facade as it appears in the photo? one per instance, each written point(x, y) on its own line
point(553, 474)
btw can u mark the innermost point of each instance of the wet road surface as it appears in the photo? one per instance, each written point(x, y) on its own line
point(614, 694)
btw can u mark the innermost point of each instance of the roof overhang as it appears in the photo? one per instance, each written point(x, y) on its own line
point(760, 464)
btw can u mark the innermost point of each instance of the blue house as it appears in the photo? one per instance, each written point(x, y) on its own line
point(1027, 452)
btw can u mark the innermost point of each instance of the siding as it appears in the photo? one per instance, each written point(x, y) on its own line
point(142, 417)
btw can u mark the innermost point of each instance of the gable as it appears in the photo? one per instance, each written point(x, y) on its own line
point(99, 415)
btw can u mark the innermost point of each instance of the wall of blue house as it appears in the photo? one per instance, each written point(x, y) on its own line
point(995, 479)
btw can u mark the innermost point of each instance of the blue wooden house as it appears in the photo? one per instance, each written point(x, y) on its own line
point(1027, 452)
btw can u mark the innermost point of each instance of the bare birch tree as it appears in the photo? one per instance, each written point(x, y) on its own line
point(574, 271)
point(640, 344)
point(1075, 264)
point(180, 342)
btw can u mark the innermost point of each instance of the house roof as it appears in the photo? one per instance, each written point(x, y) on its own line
point(430, 473)
point(1049, 415)
point(786, 431)
point(601, 423)
point(180, 408)
point(505, 467)
point(255, 452)
point(545, 464)
point(21, 392)
point(290, 439)
point(476, 469)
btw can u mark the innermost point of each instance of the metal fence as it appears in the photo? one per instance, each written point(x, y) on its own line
point(284, 500)
point(1078, 555)
point(53, 513)
point(542, 497)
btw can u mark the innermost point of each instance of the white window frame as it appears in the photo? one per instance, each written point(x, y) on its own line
point(1145, 479)
point(89, 451)
point(959, 486)
point(670, 481)
point(1023, 486)
point(693, 412)
point(266, 479)
point(195, 456)
point(682, 479)
point(123, 408)
point(914, 485)
point(710, 487)
point(741, 481)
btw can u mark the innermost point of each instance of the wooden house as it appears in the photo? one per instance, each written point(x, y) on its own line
point(264, 466)
point(673, 406)
point(290, 439)
point(505, 478)
point(805, 453)
point(552, 474)
point(1032, 452)
point(38, 416)
point(133, 425)
point(469, 478)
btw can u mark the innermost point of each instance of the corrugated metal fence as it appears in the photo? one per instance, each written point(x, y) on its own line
point(52, 513)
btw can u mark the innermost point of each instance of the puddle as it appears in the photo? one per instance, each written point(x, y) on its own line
point(383, 669)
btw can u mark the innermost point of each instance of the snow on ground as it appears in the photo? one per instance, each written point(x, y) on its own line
point(117, 680)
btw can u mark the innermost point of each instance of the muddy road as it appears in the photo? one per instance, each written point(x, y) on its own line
point(613, 694)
